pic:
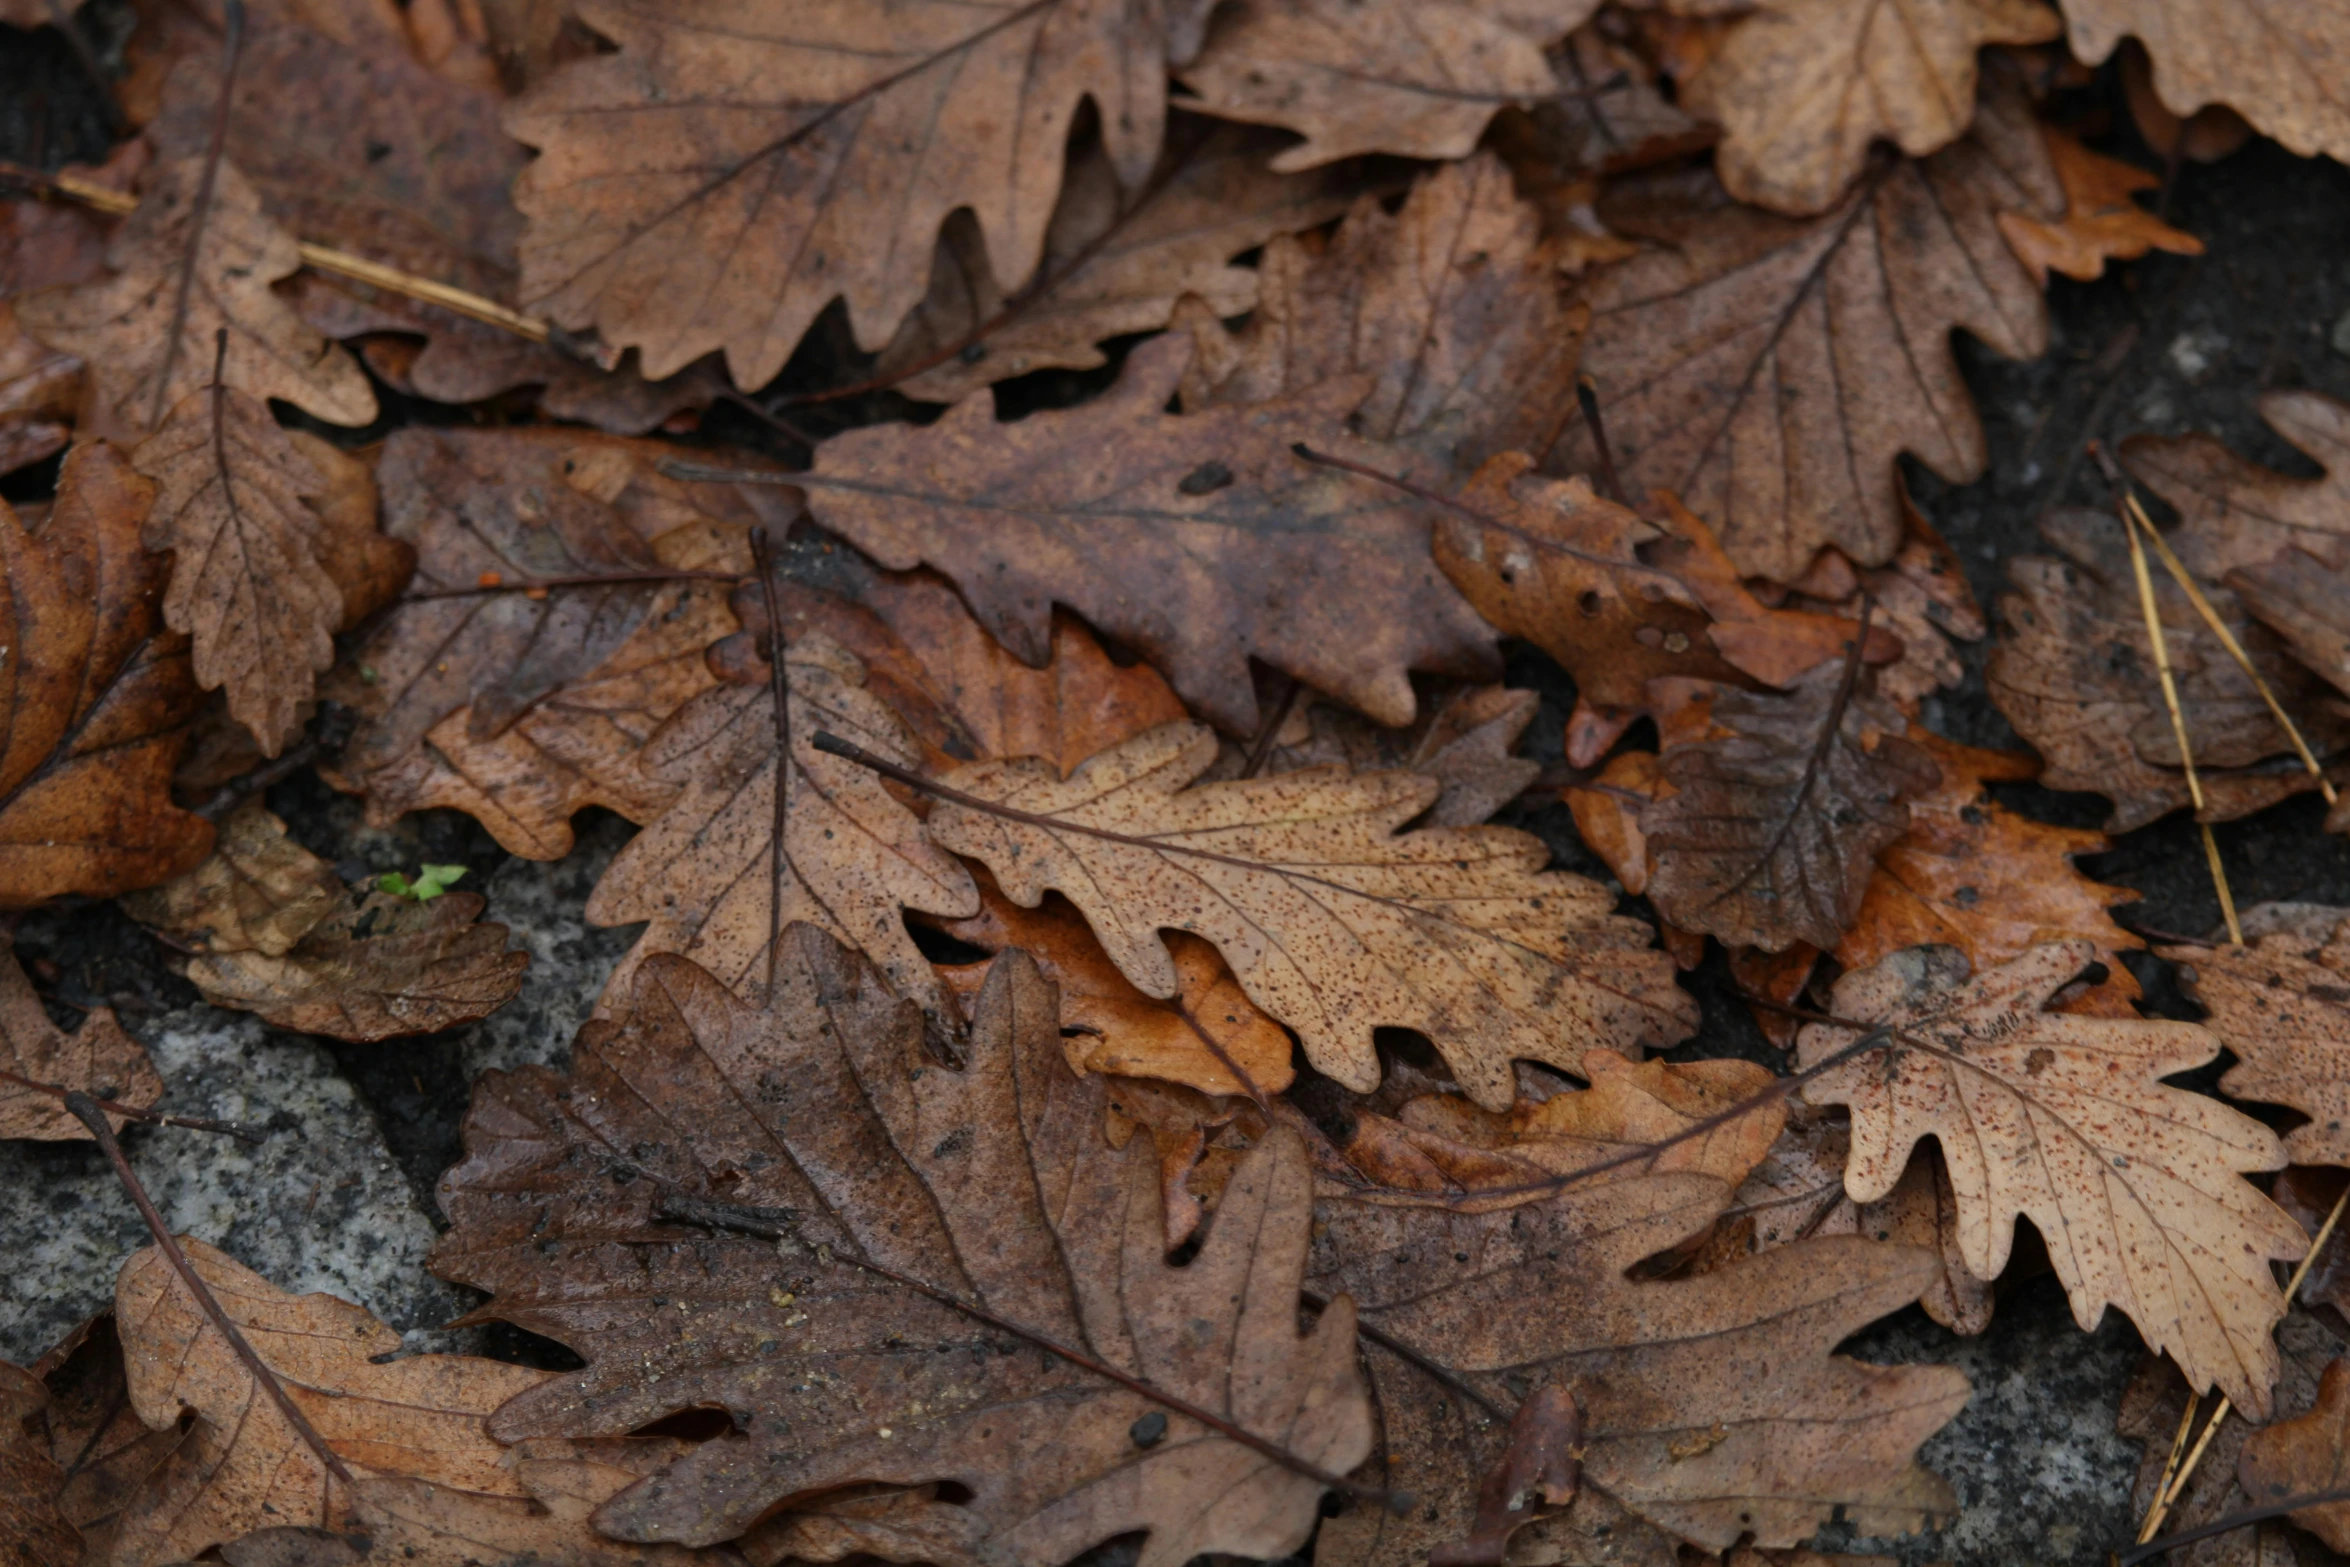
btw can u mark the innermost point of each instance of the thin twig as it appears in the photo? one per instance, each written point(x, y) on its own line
point(495, 582)
point(86, 1108)
point(1587, 398)
point(767, 1225)
point(1436, 1369)
point(193, 1123)
point(232, 50)
point(779, 687)
point(2147, 1550)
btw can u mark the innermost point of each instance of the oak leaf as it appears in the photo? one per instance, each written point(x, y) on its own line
point(2073, 673)
point(2305, 1455)
point(1419, 80)
point(1115, 261)
point(1775, 825)
point(233, 507)
point(1608, 116)
point(1454, 304)
point(1465, 738)
point(2306, 601)
point(1334, 923)
point(1801, 89)
point(706, 876)
point(124, 325)
point(1972, 874)
point(275, 932)
point(2100, 224)
point(1207, 1036)
point(2136, 1187)
point(2282, 1004)
point(821, 1116)
point(96, 696)
point(1247, 549)
point(1769, 371)
point(679, 209)
point(2274, 66)
point(425, 1480)
point(2234, 513)
point(34, 1530)
point(490, 512)
point(98, 1058)
point(1712, 1405)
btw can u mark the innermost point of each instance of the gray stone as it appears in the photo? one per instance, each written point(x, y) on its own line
point(320, 1206)
point(540, 902)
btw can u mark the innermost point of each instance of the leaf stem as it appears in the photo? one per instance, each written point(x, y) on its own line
point(232, 51)
point(193, 1123)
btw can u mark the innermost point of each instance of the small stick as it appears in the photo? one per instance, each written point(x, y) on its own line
point(2160, 643)
point(232, 50)
point(779, 687)
point(711, 473)
point(496, 582)
point(83, 1106)
point(766, 1226)
point(193, 1123)
point(1587, 398)
point(2166, 1496)
point(2148, 1549)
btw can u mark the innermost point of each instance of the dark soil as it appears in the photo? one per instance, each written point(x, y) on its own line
point(2166, 345)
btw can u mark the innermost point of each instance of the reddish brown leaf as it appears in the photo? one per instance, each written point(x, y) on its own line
point(2101, 222)
point(96, 697)
point(2137, 1186)
point(1539, 1468)
point(1247, 549)
point(1334, 921)
point(1465, 738)
point(2305, 1455)
point(822, 1113)
point(97, 1058)
point(1770, 371)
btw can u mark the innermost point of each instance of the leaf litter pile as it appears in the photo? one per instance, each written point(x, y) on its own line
point(1090, 1067)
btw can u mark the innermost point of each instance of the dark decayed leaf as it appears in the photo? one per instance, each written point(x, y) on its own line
point(33, 1531)
point(98, 1058)
point(821, 1116)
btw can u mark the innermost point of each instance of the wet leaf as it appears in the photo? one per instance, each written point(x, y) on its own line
point(1335, 923)
point(732, 169)
point(1802, 90)
point(2282, 1004)
point(96, 698)
point(822, 1114)
point(1453, 304)
point(1420, 80)
point(2064, 1120)
point(1712, 1406)
point(1115, 261)
point(1769, 371)
point(704, 874)
point(1776, 824)
point(124, 325)
point(1248, 550)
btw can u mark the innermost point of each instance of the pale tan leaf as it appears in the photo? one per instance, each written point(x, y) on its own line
point(123, 325)
point(2282, 1004)
point(1334, 922)
point(2136, 1187)
point(2280, 65)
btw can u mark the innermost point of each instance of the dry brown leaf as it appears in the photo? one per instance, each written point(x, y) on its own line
point(2305, 1455)
point(234, 507)
point(1465, 738)
point(98, 1058)
point(517, 506)
point(1358, 76)
point(1921, 596)
point(990, 1182)
point(1334, 923)
point(95, 1436)
point(1802, 88)
point(2101, 223)
point(1115, 261)
point(2277, 65)
point(1246, 548)
point(1712, 1406)
point(1453, 304)
point(1974, 875)
point(123, 325)
point(2234, 513)
point(2073, 672)
point(33, 1529)
point(95, 701)
point(2306, 601)
point(1207, 1036)
point(2136, 1187)
point(680, 209)
point(1775, 826)
point(275, 932)
point(430, 1486)
point(2282, 1004)
point(1607, 117)
point(1769, 371)
point(40, 391)
point(704, 874)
